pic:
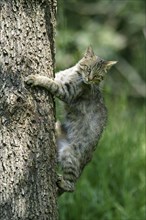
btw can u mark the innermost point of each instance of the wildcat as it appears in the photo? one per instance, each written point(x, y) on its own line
point(85, 113)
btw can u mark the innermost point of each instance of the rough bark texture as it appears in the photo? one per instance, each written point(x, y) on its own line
point(27, 140)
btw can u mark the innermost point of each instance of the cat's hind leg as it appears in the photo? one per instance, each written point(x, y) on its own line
point(70, 168)
point(68, 161)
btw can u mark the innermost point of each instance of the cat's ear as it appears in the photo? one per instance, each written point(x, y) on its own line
point(109, 64)
point(89, 52)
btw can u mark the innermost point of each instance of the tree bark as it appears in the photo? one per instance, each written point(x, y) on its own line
point(27, 135)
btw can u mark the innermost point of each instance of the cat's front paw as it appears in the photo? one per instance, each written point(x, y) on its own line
point(31, 80)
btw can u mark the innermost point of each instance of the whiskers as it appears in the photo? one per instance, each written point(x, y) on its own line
point(101, 87)
point(94, 89)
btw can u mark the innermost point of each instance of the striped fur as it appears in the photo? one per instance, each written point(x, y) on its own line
point(85, 114)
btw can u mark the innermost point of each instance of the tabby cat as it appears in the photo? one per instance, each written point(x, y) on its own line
point(85, 113)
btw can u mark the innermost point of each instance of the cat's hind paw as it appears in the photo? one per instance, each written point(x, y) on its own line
point(64, 185)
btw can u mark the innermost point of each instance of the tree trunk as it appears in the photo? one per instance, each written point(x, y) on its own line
point(27, 137)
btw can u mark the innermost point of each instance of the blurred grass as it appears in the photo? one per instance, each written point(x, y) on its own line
point(112, 186)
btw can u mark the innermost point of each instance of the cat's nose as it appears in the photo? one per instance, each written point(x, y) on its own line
point(90, 78)
point(87, 79)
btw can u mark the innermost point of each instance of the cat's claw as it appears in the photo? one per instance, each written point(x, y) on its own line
point(60, 181)
point(59, 177)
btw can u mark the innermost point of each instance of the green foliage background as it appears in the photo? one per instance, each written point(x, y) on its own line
point(112, 186)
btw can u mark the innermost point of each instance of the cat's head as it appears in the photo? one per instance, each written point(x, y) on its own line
point(94, 68)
